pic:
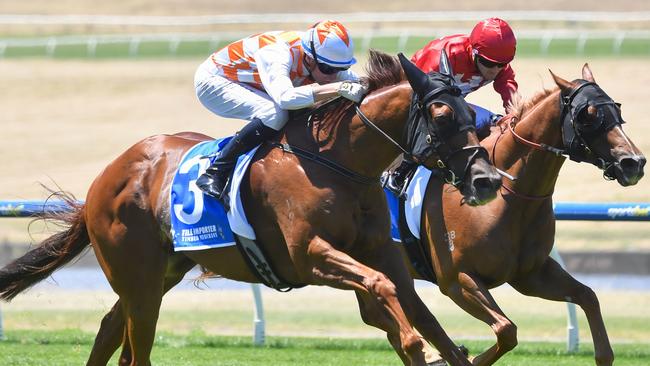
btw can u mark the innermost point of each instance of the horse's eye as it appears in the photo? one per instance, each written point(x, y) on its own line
point(591, 117)
point(442, 119)
point(588, 114)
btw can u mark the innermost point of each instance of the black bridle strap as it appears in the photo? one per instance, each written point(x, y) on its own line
point(451, 89)
point(340, 169)
point(366, 121)
point(567, 99)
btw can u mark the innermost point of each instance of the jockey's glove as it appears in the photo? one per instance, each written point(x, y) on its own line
point(352, 91)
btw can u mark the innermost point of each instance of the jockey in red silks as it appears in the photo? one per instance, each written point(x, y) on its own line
point(476, 59)
point(261, 77)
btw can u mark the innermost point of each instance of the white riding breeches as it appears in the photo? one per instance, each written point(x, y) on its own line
point(229, 99)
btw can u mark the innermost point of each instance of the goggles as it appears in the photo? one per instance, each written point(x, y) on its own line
point(490, 64)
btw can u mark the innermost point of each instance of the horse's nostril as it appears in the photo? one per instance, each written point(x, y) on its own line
point(482, 183)
point(632, 163)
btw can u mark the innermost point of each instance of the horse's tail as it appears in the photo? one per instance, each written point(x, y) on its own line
point(51, 254)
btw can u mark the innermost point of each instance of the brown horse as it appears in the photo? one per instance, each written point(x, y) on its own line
point(509, 240)
point(317, 225)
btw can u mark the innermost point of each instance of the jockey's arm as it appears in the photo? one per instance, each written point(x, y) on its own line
point(505, 85)
point(274, 66)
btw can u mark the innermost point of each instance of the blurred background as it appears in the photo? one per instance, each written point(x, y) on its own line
point(84, 80)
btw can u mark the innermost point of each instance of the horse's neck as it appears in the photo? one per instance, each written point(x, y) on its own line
point(369, 152)
point(536, 170)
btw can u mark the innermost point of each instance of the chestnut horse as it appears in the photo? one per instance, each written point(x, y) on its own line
point(320, 223)
point(473, 249)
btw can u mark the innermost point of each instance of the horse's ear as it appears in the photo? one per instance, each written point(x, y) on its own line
point(563, 84)
point(417, 78)
point(444, 65)
point(587, 74)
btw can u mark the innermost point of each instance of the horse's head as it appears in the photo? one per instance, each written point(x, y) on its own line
point(592, 130)
point(441, 133)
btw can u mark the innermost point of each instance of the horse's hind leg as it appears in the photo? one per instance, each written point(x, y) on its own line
point(552, 282)
point(109, 337)
point(372, 315)
point(134, 262)
point(112, 332)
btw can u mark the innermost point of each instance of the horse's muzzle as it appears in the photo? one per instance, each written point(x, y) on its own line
point(484, 185)
point(629, 169)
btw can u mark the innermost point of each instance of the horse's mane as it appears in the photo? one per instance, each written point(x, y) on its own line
point(519, 107)
point(382, 70)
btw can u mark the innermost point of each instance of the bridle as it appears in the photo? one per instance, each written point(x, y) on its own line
point(576, 135)
point(433, 140)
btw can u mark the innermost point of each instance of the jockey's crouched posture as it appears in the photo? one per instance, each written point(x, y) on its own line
point(261, 77)
point(476, 59)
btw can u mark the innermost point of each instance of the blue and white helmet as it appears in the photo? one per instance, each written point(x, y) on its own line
point(331, 42)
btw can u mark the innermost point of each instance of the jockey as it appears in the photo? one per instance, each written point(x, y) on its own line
point(476, 59)
point(261, 77)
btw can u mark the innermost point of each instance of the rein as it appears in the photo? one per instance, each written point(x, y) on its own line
point(336, 167)
point(534, 145)
point(531, 144)
point(366, 121)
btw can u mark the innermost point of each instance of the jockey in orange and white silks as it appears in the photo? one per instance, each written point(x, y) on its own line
point(477, 59)
point(261, 77)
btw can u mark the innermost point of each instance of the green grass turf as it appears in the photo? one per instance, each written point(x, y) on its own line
point(71, 347)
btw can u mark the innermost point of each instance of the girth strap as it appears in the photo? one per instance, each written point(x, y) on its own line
point(258, 264)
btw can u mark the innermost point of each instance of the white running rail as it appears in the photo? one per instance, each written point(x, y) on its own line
point(365, 38)
point(360, 17)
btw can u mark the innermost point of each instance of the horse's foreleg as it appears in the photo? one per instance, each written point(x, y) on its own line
point(334, 268)
point(552, 282)
point(388, 260)
point(473, 297)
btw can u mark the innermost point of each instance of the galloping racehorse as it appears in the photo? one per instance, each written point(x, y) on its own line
point(320, 216)
point(468, 250)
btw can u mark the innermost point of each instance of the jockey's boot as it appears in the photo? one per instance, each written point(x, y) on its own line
point(215, 179)
point(396, 181)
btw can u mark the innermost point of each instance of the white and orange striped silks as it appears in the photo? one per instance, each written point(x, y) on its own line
point(236, 61)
